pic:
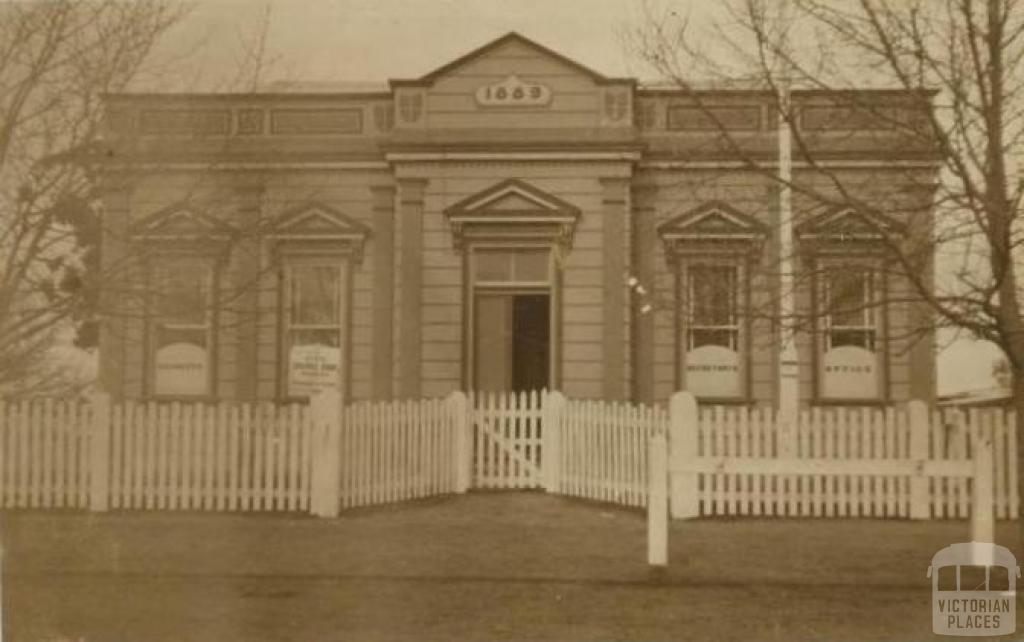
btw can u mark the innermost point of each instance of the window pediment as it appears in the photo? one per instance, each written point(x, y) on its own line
point(318, 223)
point(714, 223)
point(513, 210)
point(181, 222)
point(847, 224)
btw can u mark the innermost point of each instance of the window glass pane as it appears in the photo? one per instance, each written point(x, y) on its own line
point(329, 338)
point(998, 578)
point(493, 265)
point(859, 338)
point(193, 336)
point(314, 295)
point(531, 265)
point(707, 337)
point(972, 578)
point(713, 292)
point(183, 292)
point(849, 296)
point(947, 578)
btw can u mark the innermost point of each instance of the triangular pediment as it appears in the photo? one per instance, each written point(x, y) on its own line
point(512, 197)
point(317, 220)
point(182, 221)
point(850, 223)
point(512, 201)
point(714, 220)
point(513, 211)
point(511, 45)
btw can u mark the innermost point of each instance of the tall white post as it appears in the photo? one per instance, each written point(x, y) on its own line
point(458, 407)
point(551, 435)
point(325, 410)
point(657, 501)
point(682, 448)
point(99, 453)
point(982, 509)
point(789, 375)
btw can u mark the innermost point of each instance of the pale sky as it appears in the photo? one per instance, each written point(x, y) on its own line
point(373, 40)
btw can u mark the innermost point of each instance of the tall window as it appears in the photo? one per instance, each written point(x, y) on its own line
point(313, 318)
point(850, 313)
point(712, 294)
point(712, 336)
point(849, 321)
point(182, 327)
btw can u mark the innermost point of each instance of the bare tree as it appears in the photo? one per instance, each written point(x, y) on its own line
point(57, 59)
point(956, 68)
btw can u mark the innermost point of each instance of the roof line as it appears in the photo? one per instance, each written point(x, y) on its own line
point(431, 76)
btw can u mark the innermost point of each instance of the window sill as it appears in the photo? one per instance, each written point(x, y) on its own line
point(725, 401)
point(877, 403)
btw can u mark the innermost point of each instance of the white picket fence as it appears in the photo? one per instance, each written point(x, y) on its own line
point(210, 457)
point(322, 458)
point(44, 454)
point(905, 462)
point(837, 434)
point(602, 450)
point(395, 451)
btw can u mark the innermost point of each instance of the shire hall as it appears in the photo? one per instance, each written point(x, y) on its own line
point(512, 220)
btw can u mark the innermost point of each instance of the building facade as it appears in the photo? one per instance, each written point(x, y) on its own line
point(511, 220)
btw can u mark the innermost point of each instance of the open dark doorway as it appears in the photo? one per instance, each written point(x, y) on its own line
point(513, 341)
point(531, 331)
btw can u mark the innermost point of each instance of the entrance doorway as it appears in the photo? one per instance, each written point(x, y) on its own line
point(512, 350)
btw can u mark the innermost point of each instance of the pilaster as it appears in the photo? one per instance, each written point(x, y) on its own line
point(410, 274)
point(615, 216)
point(383, 251)
point(644, 245)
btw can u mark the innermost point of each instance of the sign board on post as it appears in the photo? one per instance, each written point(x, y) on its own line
point(181, 369)
point(312, 368)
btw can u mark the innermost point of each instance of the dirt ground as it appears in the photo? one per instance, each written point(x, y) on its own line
point(484, 566)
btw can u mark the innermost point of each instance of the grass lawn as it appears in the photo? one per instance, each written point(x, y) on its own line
point(484, 566)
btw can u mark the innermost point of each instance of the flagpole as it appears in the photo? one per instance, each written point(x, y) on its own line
point(789, 373)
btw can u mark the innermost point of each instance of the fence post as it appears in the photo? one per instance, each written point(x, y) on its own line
point(682, 444)
point(458, 407)
point(920, 500)
point(99, 452)
point(551, 436)
point(657, 500)
point(983, 504)
point(325, 408)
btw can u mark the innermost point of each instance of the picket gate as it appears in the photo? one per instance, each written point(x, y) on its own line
point(507, 439)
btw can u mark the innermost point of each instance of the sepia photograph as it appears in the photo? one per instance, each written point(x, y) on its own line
point(477, 320)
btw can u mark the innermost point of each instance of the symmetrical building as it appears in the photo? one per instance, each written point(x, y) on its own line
point(511, 220)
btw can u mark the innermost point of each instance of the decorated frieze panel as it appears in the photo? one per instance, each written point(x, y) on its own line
point(316, 121)
point(859, 117)
point(191, 122)
point(714, 117)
